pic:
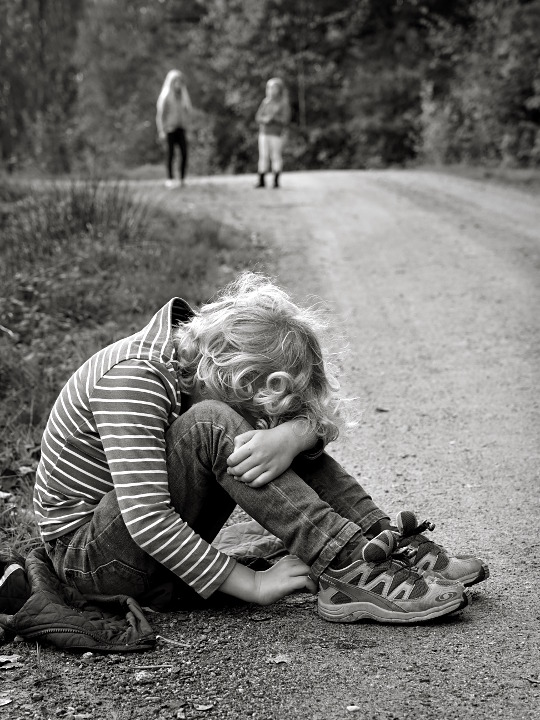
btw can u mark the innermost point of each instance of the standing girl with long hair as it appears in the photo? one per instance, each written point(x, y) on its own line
point(273, 117)
point(174, 111)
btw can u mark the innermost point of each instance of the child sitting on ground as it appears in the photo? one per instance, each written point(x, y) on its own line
point(157, 437)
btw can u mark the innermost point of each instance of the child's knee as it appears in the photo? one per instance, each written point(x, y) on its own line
point(202, 420)
point(213, 411)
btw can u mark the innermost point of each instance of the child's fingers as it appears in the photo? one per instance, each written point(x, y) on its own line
point(297, 573)
point(243, 438)
point(245, 466)
point(238, 456)
point(299, 583)
point(255, 477)
point(263, 479)
point(261, 474)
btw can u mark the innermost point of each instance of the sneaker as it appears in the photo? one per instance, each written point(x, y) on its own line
point(429, 556)
point(389, 592)
point(423, 553)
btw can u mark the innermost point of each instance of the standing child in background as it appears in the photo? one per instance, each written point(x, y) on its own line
point(157, 437)
point(273, 117)
point(173, 116)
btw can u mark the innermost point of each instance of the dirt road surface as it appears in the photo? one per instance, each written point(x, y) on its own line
point(435, 284)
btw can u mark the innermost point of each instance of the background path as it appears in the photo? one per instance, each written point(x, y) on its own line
point(435, 282)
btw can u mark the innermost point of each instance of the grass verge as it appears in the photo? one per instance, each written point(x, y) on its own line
point(83, 263)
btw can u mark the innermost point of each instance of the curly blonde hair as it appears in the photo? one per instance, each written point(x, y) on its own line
point(256, 350)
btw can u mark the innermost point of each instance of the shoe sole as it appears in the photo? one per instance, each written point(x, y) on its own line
point(474, 578)
point(358, 611)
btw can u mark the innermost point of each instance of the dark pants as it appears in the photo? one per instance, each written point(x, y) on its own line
point(315, 508)
point(177, 137)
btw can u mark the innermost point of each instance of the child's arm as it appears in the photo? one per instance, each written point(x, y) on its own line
point(265, 587)
point(260, 456)
point(131, 405)
point(160, 116)
point(263, 113)
point(284, 115)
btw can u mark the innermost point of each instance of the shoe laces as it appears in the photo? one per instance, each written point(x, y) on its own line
point(406, 537)
point(399, 565)
point(401, 569)
point(419, 546)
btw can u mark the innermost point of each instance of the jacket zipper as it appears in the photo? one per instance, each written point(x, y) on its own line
point(48, 631)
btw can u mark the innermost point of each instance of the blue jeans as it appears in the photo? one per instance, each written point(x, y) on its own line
point(315, 508)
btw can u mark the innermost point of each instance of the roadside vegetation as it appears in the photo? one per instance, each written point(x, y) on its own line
point(82, 263)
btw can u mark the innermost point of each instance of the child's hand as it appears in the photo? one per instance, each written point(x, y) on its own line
point(263, 455)
point(265, 587)
point(283, 578)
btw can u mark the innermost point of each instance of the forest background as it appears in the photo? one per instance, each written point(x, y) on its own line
point(372, 83)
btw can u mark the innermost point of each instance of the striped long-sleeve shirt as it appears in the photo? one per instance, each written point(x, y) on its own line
point(107, 430)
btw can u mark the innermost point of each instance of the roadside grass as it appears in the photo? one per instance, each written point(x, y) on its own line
point(83, 263)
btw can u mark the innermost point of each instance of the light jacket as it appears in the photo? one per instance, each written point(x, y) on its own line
point(273, 117)
point(173, 115)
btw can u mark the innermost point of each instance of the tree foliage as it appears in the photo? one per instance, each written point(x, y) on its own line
point(371, 82)
point(37, 79)
point(482, 92)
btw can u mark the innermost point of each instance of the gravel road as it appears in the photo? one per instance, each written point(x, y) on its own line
point(435, 280)
point(435, 284)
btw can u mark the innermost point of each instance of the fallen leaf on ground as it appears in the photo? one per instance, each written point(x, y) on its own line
point(26, 470)
point(278, 659)
point(143, 677)
point(9, 658)
point(8, 662)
